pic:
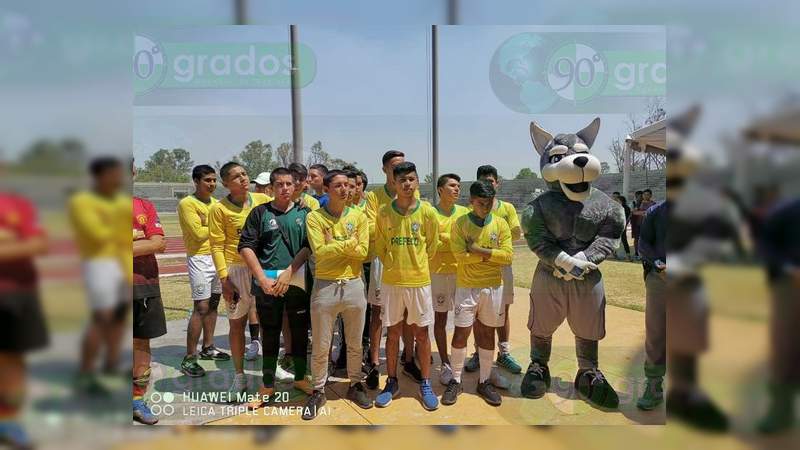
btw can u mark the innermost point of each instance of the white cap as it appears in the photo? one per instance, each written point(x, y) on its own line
point(262, 179)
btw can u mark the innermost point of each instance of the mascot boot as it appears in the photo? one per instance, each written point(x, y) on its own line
point(593, 387)
point(536, 380)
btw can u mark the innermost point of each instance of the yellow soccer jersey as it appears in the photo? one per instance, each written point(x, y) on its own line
point(375, 200)
point(361, 206)
point(342, 257)
point(224, 227)
point(193, 219)
point(444, 261)
point(473, 271)
point(405, 244)
point(311, 202)
point(101, 224)
point(507, 212)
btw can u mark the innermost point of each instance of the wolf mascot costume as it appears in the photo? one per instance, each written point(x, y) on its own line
point(572, 228)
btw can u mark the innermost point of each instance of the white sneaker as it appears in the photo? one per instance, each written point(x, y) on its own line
point(251, 352)
point(498, 380)
point(446, 374)
point(239, 384)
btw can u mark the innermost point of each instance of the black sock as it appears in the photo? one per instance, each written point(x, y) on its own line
point(254, 329)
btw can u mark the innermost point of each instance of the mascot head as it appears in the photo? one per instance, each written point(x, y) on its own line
point(683, 159)
point(565, 161)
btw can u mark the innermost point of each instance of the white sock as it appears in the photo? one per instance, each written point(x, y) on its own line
point(457, 358)
point(505, 347)
point(487, 360)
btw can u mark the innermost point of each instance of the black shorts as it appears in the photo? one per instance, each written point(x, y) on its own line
point(22, 324)
point(148, 318)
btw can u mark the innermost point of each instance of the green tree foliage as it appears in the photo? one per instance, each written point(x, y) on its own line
point(168, 166)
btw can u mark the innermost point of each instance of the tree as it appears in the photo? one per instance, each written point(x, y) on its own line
point(526, 174)
point(284, 154)
point(320, 156)
point(44, 156)
point(604, 167)
point(256, 158)
point(168, 166)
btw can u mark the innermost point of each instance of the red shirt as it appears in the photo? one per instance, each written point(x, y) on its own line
point(145, 268)
point(17, 222)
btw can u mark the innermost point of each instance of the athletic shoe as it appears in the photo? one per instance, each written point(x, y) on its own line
point(653, 395)
point(445, 374)
point(14, 435)
point(212, 352)
point(304, 385)
point(142, 413)
point(780, 415)
point(696, 409)
point(506, 361)
point(251, 352)
point(536, 380)
point(498, 380)
point(358, 395)
point(428, 397)
point(593, 387)
point(190, 368)
point(473, 363)
point(286, 363)
point(88, 384)
point(389, 392)
point(261, 398)
point(411, 369)
point(487, 392)
point(313, 405)
point(373, 376)
point(452, 392)
point(239, 385)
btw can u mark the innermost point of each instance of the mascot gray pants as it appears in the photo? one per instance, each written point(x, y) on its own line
point(581, 302)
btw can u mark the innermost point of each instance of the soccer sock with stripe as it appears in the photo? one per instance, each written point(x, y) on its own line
point(457, 357)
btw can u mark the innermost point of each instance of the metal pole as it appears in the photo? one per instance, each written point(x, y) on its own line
point(452, 12)
point(240, 7)
point(297, 119)
point(435, 111)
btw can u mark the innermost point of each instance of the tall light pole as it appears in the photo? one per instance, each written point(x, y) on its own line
point(435, 111)
point(297, 120)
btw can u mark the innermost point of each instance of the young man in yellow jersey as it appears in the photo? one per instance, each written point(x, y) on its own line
point(300, 176)
point(481, 243)
point(443, 267)
point(203, 279)
point(226, 220)
point(406, 238)
point(375, 200)
point(339, 238)
point(507, 212)
point(99, 217)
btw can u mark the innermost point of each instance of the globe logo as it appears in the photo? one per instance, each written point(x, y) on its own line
point(149, 65)
point(531, 73)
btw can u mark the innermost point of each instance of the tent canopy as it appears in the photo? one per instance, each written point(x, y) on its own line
point(649, 139)
point(780, 128)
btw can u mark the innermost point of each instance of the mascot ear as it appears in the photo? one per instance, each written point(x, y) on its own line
point(540, 137)
point(685, 122)
point(589, 133)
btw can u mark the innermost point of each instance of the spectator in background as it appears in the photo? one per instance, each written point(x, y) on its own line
point(99, 218)
point(780, 248)
point(639, 211)
point(21, 319)
point(300, 196)
point(316, 175)
point(624, 202)
point(262, 184)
